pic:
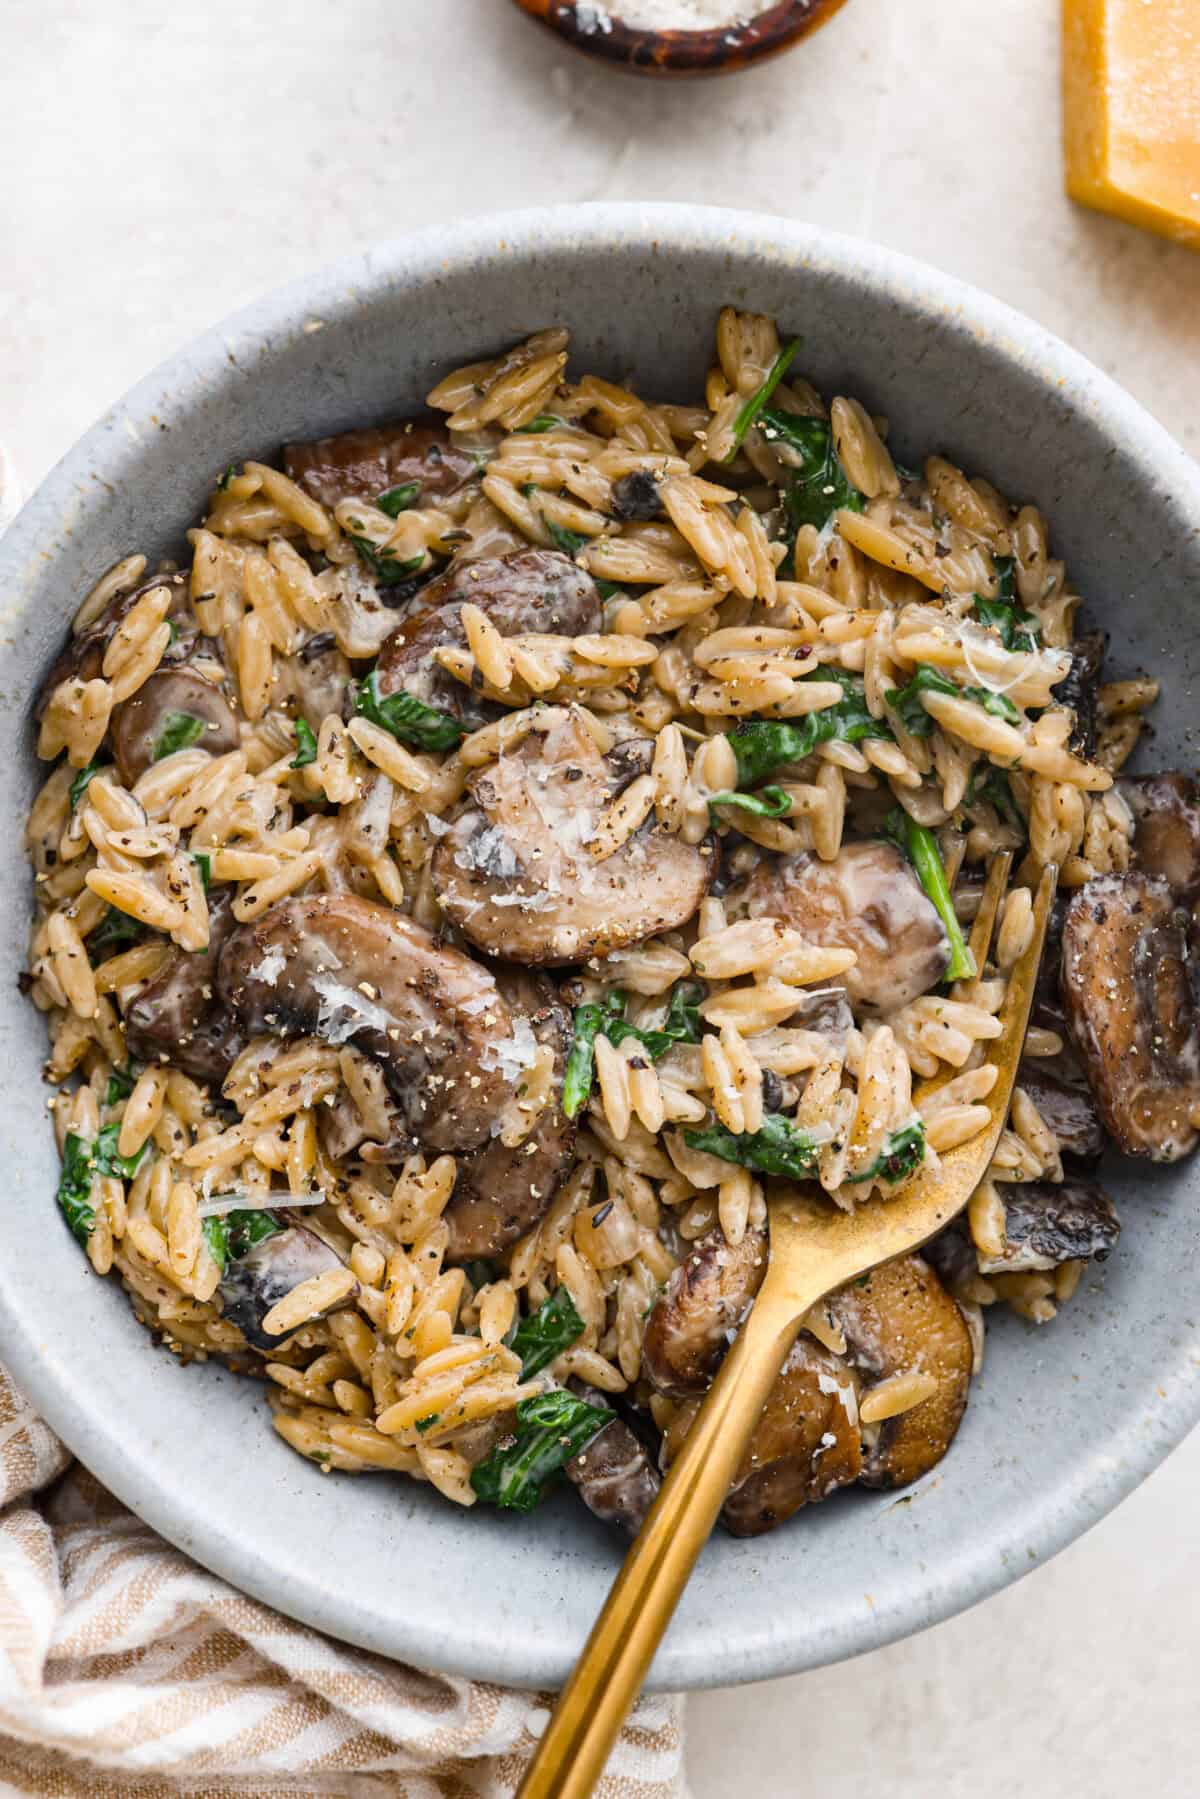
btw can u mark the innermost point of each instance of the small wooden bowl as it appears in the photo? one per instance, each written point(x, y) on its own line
point(598, 30)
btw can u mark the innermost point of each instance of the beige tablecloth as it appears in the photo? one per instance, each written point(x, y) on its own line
point(126, 1669)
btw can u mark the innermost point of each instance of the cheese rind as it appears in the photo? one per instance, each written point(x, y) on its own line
point(1131, 98)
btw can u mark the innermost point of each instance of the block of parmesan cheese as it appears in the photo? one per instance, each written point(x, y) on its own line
point(1131, 87)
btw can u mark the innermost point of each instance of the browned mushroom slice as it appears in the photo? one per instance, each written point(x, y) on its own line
point(805, 1446)
point(1078, 690)
point(868, 900)
point(502, 1191)
point(899, 1319)
point(1166, 811)
point(531, 590)
point(177, 708)
point(1047, 1223)
point(83, 656)
point(351, 971)
point(1131, 1012)
point(364, 464)
point(255, 1282)
point(1070, 1111)
point(695, 1320)
point(614, 1475)
point(178, 1016)
point(515, 872)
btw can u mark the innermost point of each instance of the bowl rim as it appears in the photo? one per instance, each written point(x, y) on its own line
point(1120, 1457)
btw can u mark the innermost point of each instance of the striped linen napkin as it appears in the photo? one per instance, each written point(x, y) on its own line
point(129, 1672)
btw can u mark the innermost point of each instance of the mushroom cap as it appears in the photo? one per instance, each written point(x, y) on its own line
point(867, 899)
point(516, 875)
point(253, 1283)
point(138, 724)
point(178, 1016)
point(695, 1319)
point(899, 1319)
point(1166, 812)
point(502, 1191)
point(351, 971)
point(82, 656)
point(1128, 998)
point(528, 590)
point(805, 1446)
point(364, 464)
point(1047, 1223)
point(1068, 1109)
point(613, 1475)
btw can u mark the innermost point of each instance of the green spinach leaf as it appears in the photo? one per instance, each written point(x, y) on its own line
point(920, 845)
point(747, 414)
point(817, 483)
point(116, 930)
point(406, 717)
point(232, 1235)
point(83, 1160)
point(398, 499)
point(763, 744)
point(180, 729)
point(551, 1429)
point(306, 744)
point(551, 1329)
point(79, 785)
point(905, 702)
point(902, 1154)
point(384, 564)
point(778, 1147)
point(768, 802)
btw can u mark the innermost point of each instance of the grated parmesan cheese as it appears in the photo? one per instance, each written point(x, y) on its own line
point(270, 968)
point(512, 1054)
point(342, 1011)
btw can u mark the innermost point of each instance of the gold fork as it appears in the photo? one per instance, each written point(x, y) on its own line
point(813, 1249)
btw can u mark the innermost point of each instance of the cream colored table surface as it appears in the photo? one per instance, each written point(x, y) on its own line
point(162, 165)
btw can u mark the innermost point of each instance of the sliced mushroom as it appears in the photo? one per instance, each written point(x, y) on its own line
point(1047, 1223)
point(349, 970)
point(142, 726)
point(1132, 1014)
point(805, 1446)
point(614, 1475)
point(83, 656)
point(636, 496)
point(515, 872)
point(899, 1319)
point(530, 590)
point(502, 1191)
point(1078, 690)
point(695, 1320)
point(1048, 1011)
point(364, 464)
point(1166, 811)
point(254, 1283)
point(1069, 1110)
point(868, 900)
point(315, 682)
point(178, 1016)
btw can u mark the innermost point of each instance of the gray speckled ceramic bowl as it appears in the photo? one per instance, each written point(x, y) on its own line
point(1065, 1420)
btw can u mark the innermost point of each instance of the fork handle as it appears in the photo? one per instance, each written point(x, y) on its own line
point(593, 1705)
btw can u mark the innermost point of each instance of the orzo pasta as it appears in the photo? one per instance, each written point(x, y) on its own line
point(518, 837)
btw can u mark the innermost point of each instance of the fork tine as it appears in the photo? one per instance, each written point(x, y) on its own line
point(994, 890)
